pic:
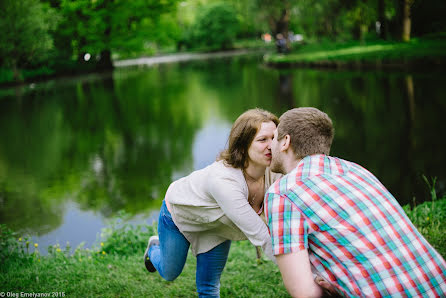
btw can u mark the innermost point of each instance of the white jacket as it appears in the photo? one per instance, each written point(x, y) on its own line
point(211, 206)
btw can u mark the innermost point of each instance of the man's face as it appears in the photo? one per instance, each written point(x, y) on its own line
point(276, 160)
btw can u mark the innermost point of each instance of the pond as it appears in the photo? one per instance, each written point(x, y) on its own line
point(76, 152)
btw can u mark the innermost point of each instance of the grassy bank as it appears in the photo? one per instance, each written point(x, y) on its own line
point(114, 268)
point(414, 54)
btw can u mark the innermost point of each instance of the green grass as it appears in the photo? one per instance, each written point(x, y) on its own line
point(433, 50)
point(114, 267)
point(253, 44)
point(430, 218)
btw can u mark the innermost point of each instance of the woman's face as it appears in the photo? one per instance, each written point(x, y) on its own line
point(259, 153)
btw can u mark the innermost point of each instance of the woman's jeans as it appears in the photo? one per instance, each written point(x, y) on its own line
point(170, 256)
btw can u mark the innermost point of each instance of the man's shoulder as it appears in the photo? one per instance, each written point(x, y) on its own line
point(309, 170)
point(323, 165)
point(284, 184)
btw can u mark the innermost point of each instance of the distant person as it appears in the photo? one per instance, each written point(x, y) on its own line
point(281, 44)
point(217, 204)
point(335, 216)
point(266, 37)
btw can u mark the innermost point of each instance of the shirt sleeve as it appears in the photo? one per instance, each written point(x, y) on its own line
point(287, 225)
point(231, 198)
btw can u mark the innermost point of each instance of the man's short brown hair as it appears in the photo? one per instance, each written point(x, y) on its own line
point(311, 131)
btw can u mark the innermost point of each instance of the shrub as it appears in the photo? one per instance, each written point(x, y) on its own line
point(216, 26)
point(123, 238)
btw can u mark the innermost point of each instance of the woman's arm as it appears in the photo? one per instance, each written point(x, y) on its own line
point(232, 199)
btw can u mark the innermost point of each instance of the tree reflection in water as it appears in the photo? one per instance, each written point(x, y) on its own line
point(115, 142)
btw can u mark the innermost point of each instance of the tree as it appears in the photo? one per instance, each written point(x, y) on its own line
point(25, 33)
point(278, 14)
point(383, 30)
point(362, 16)
point(248, 15)
point(102, 26)
point(428, 19)
point(405, 6)
point(216, 26)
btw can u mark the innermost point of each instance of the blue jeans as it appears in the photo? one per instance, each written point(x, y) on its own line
point(170, 256)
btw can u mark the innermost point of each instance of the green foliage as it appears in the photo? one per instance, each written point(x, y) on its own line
point(359, 19)
point(6, 75)
point(427, 50)
point(122, 26)
point(25, 28)
point(428, 18)
point(12, 246)
point(431, 187)
point(251, 24)
point(115, 269)
point(119, 238)
point(430, 218)
point(35, 35)
point(216, 26)
point(122, 238)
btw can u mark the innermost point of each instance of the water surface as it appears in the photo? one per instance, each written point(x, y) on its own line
point(75, 152)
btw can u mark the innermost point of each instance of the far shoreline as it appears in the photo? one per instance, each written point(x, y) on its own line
point(417, 54)
point(142, 61)
point(412, 65)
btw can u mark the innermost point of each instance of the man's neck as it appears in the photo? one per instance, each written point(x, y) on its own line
point(291, 164)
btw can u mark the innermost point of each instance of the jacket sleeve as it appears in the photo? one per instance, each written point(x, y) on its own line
point(232, 199)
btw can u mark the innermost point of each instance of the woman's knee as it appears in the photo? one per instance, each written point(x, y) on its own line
point(170, 276)
point(171, 270)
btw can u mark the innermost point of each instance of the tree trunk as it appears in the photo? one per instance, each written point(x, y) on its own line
point(281, 27)
point(283, 22)
point(383, 30)
point(406, 20)
point(362, 32)
point(16, 72)
point(105, 62)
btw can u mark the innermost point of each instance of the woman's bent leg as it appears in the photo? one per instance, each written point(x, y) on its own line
point(210, 265)
point(170, 256)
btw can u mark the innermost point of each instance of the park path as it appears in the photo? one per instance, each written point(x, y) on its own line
point(180, 57)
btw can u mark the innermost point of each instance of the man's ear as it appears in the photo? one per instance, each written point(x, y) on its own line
point(286, 143)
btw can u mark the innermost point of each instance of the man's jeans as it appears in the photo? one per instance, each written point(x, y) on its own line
point(170, 256)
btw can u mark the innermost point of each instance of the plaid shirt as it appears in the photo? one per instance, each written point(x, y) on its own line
point(357, 235)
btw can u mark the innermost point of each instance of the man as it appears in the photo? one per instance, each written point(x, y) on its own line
point(335, 216)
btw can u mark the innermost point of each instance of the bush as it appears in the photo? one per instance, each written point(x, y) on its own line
point(216, 27)
point(6, 75)
point(122, 238)
point(430, 218)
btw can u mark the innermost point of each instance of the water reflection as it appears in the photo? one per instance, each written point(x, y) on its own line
point(78, 152)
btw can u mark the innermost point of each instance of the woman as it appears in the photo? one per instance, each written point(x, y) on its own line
point(217, 204)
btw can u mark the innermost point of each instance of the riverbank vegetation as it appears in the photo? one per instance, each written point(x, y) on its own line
point(43, 38)
point(114, 267)
point(417, 53)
